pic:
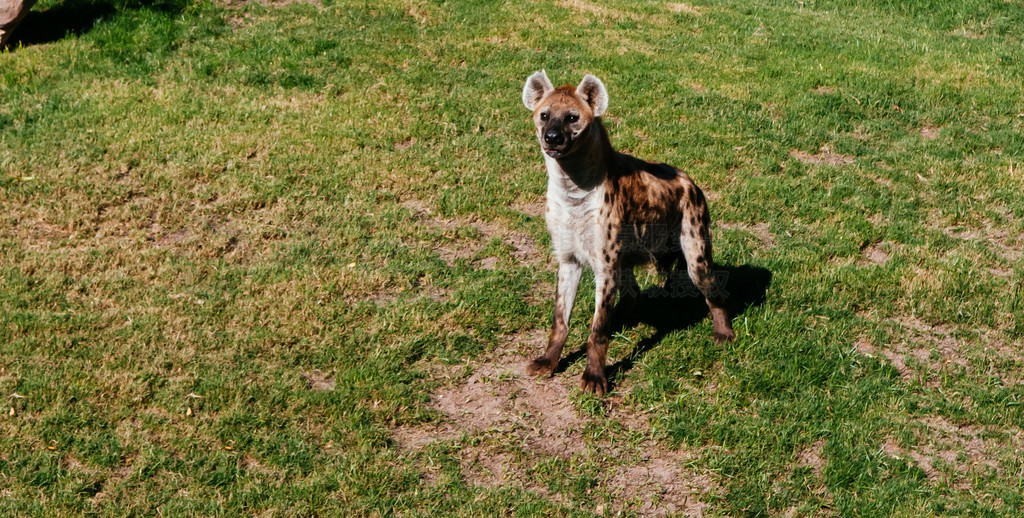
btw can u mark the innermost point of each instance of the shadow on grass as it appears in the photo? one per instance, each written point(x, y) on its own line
point(77, 17)
point(747, 286)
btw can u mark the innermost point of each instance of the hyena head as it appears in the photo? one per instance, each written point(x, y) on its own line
point(563, 115)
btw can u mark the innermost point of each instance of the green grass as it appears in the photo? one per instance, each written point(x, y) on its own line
point(203, 207)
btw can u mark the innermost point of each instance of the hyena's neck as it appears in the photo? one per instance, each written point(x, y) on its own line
point(587, 166)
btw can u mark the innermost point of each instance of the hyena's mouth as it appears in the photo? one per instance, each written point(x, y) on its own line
point(558, 151)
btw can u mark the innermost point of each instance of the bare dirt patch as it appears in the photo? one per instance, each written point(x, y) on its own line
point(37, 233)
point(955, 454)
point(489, 263)
point(824, 90)
point(163, 238)
point(319, 381)
point(1001, 272)
point(941, 338)
point(664, 488)
point(683, 8)
point(929, 133)
point(524, 248)
point(876, 254)
point(499, 394)
point(825, 156)
point(759, 230)
point(879, 180)
point(584, 7)
point(404, 144)
point(969, 33)
point(895, 357)
point(934, 348)
point(920, 351)
point(812, 457)
point(235, 4)
point(514, 422)
point(536, 207)
point(898, 354)
point(1006, 244)
point(484, 467)
point(238, 22)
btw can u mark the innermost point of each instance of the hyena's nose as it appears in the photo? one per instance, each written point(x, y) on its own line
point(553, 138)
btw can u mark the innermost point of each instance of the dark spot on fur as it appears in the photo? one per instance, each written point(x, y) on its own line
point(700, 259)
point(607, 300)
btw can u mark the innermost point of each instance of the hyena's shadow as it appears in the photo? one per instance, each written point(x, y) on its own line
point(667, 310)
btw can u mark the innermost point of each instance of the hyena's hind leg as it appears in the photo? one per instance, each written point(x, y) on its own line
point(671, 270)
point(695, 238)
point(629, 294)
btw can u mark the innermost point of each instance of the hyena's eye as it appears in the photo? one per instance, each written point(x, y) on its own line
point(544, 116)
point(572, 118)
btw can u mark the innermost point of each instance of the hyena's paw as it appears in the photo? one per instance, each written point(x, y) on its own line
point(724, 336)
point(541, 366)
point(594, 382)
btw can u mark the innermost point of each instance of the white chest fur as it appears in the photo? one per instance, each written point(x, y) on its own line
point(574, 217)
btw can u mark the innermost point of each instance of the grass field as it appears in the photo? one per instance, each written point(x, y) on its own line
point(285, 259)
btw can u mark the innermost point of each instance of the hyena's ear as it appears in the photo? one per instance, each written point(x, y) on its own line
point(592, 90)
point(537, 86)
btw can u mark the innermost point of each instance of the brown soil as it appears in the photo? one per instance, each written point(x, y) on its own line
point(535, 208)
point(664, 488)
point(683, 8)
point(272, 3)
point(876, 254)
point(940, 347)
point(812, 457)
point(760, 230)
point(1006, 244)
point(403, 145)
point(955, 453)
point(524, 249)
point(941, 338)
point(319, 381)
point(825, 156)
point(521, 421)
point(895, 357)
point(583, 7)
point(923, 342)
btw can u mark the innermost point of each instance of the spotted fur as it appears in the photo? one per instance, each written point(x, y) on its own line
point(610, 212)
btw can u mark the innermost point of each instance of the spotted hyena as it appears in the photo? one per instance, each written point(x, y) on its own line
point(611, 211)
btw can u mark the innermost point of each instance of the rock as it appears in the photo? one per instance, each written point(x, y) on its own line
point(11, 14)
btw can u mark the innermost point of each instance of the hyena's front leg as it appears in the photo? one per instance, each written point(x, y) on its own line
point(600, 331)
point(569, 273)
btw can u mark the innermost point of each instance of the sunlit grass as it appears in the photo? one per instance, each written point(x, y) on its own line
point(238, 244)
